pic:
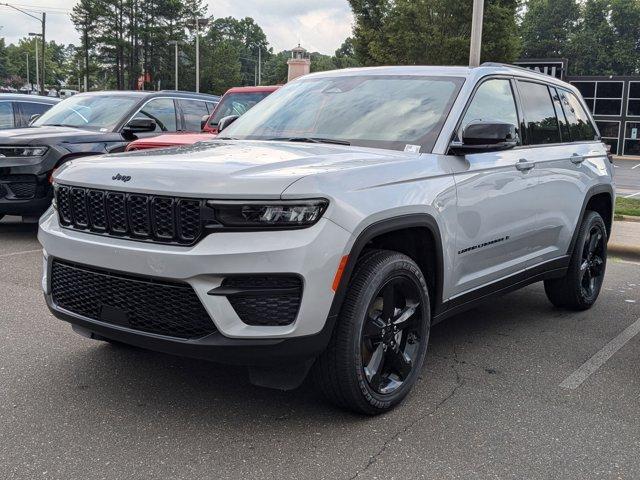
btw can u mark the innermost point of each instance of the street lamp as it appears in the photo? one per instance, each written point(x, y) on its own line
point(176, 43)
point(28, 82)
point(40, 87)
point(199, 22)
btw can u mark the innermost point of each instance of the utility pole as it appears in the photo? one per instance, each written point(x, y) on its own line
point(78, 63)
point(197, 56)
point(28, 82)
point(260, 65)
point(43, 21)
point(44, 46)
point(476, 33)
point(175, 42)
point(40, 87)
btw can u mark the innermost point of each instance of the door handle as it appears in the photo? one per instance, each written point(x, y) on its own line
point(524, 165)
point(577, 159)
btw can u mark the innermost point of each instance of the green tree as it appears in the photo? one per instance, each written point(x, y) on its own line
point(431, 31)
point(548, 26)
point(594, 42)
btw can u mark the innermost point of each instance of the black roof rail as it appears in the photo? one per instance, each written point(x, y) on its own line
point(185, 92)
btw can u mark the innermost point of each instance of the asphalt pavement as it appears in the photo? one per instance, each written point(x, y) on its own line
point(489, 404)
point(627, 176)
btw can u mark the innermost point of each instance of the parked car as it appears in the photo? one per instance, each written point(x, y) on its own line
point(82, 125)
point(67, 92)
point(332, 225)
point(16, 110)
point(169, 140)
point(235, 102)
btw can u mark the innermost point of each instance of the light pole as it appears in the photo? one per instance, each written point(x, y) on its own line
point(44, 23)
point(28, 82)
point(476, 33)
point(40, 87)
point(198, 22)
point(176, 43)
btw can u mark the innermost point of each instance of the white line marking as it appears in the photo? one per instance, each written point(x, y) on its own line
point(592, 365)
point(19, 253)
point(632, 195)
point(633, 168)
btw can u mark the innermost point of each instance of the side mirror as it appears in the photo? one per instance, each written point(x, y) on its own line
point(33, 118)
point(482, 136)
point(203, 121)
point(139, 125)
point(226, 121)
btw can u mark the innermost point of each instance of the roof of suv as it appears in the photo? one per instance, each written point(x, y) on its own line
point(20, 97)
point(150, 94)
point(445, 71)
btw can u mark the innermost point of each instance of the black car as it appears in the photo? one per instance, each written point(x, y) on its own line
point(86, 124)
point(16, 111)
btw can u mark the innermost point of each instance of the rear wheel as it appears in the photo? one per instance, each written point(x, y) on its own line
point(580, 288)
point(380, 341)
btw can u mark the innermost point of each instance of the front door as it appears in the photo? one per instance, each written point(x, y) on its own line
point(496, 199)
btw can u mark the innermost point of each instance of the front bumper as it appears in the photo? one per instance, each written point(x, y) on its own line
point(314, 254)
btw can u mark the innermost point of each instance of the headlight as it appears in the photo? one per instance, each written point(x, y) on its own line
point(266, 214)
point(23, 151)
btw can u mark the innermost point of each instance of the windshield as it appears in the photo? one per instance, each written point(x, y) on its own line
point(236, 104)
point(99, 112)
point(400, 112)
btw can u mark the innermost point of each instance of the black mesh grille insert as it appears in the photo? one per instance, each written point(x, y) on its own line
point(131, 215)
point(22, 190)
point(265, 300)
point(170, 309)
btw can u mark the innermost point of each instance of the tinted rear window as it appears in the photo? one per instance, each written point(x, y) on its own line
point(539, 114)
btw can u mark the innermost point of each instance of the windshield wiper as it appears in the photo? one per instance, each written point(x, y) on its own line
point(311, 140)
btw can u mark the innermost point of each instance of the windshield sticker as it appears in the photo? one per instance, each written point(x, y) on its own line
point(412, 148)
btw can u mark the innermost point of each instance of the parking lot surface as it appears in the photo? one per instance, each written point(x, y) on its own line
point(627, 177)
point(489, 403)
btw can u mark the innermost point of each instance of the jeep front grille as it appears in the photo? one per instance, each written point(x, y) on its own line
point(131, 215)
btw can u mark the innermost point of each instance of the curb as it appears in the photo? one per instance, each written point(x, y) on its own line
point(626, 251)
point(626, 218)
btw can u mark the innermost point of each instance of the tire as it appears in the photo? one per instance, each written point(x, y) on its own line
point(379, 343)
point(580, 287)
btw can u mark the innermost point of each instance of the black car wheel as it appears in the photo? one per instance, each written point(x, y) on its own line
point(379, 344)
point(580, 288)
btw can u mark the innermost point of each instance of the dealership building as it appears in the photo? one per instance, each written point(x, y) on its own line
point(614, 102)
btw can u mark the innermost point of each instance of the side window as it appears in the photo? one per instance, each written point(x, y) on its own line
point(193, 111)
point(493, 101)
point(539, 113)
point(211, 107)
point(6, 115)
point(580, 125)
point(162, 111)
point(28, 109)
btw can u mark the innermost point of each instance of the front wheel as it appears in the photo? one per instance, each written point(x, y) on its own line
point(580, 288)
point(379, 344)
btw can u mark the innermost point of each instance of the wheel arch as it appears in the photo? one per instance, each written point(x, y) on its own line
point(599, 198)
point(421, 230)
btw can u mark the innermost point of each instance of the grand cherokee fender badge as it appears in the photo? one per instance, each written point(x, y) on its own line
point(483, 245)
point(122, 178)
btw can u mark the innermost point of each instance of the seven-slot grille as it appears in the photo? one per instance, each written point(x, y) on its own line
point(131, 215)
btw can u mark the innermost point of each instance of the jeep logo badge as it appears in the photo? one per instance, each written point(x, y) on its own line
point(122, 178)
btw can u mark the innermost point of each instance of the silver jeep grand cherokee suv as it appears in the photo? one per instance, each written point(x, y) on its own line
point(327, 229)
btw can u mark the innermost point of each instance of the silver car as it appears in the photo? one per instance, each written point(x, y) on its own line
point(330, 227)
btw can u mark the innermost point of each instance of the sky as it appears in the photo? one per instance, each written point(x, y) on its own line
point(319, 26)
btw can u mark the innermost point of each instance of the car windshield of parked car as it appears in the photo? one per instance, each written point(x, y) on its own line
point(98, 112)
point(400, 112)
point(236, 104)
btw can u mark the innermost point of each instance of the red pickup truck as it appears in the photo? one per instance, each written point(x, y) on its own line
point(237, 101)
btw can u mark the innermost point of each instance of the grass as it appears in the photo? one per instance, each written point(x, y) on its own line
point(628, 206)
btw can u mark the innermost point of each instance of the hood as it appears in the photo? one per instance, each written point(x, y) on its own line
point(48, 135)
point(219, 169)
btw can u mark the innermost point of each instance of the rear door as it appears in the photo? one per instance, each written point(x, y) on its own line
point(560, 139)
point(496, 218)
